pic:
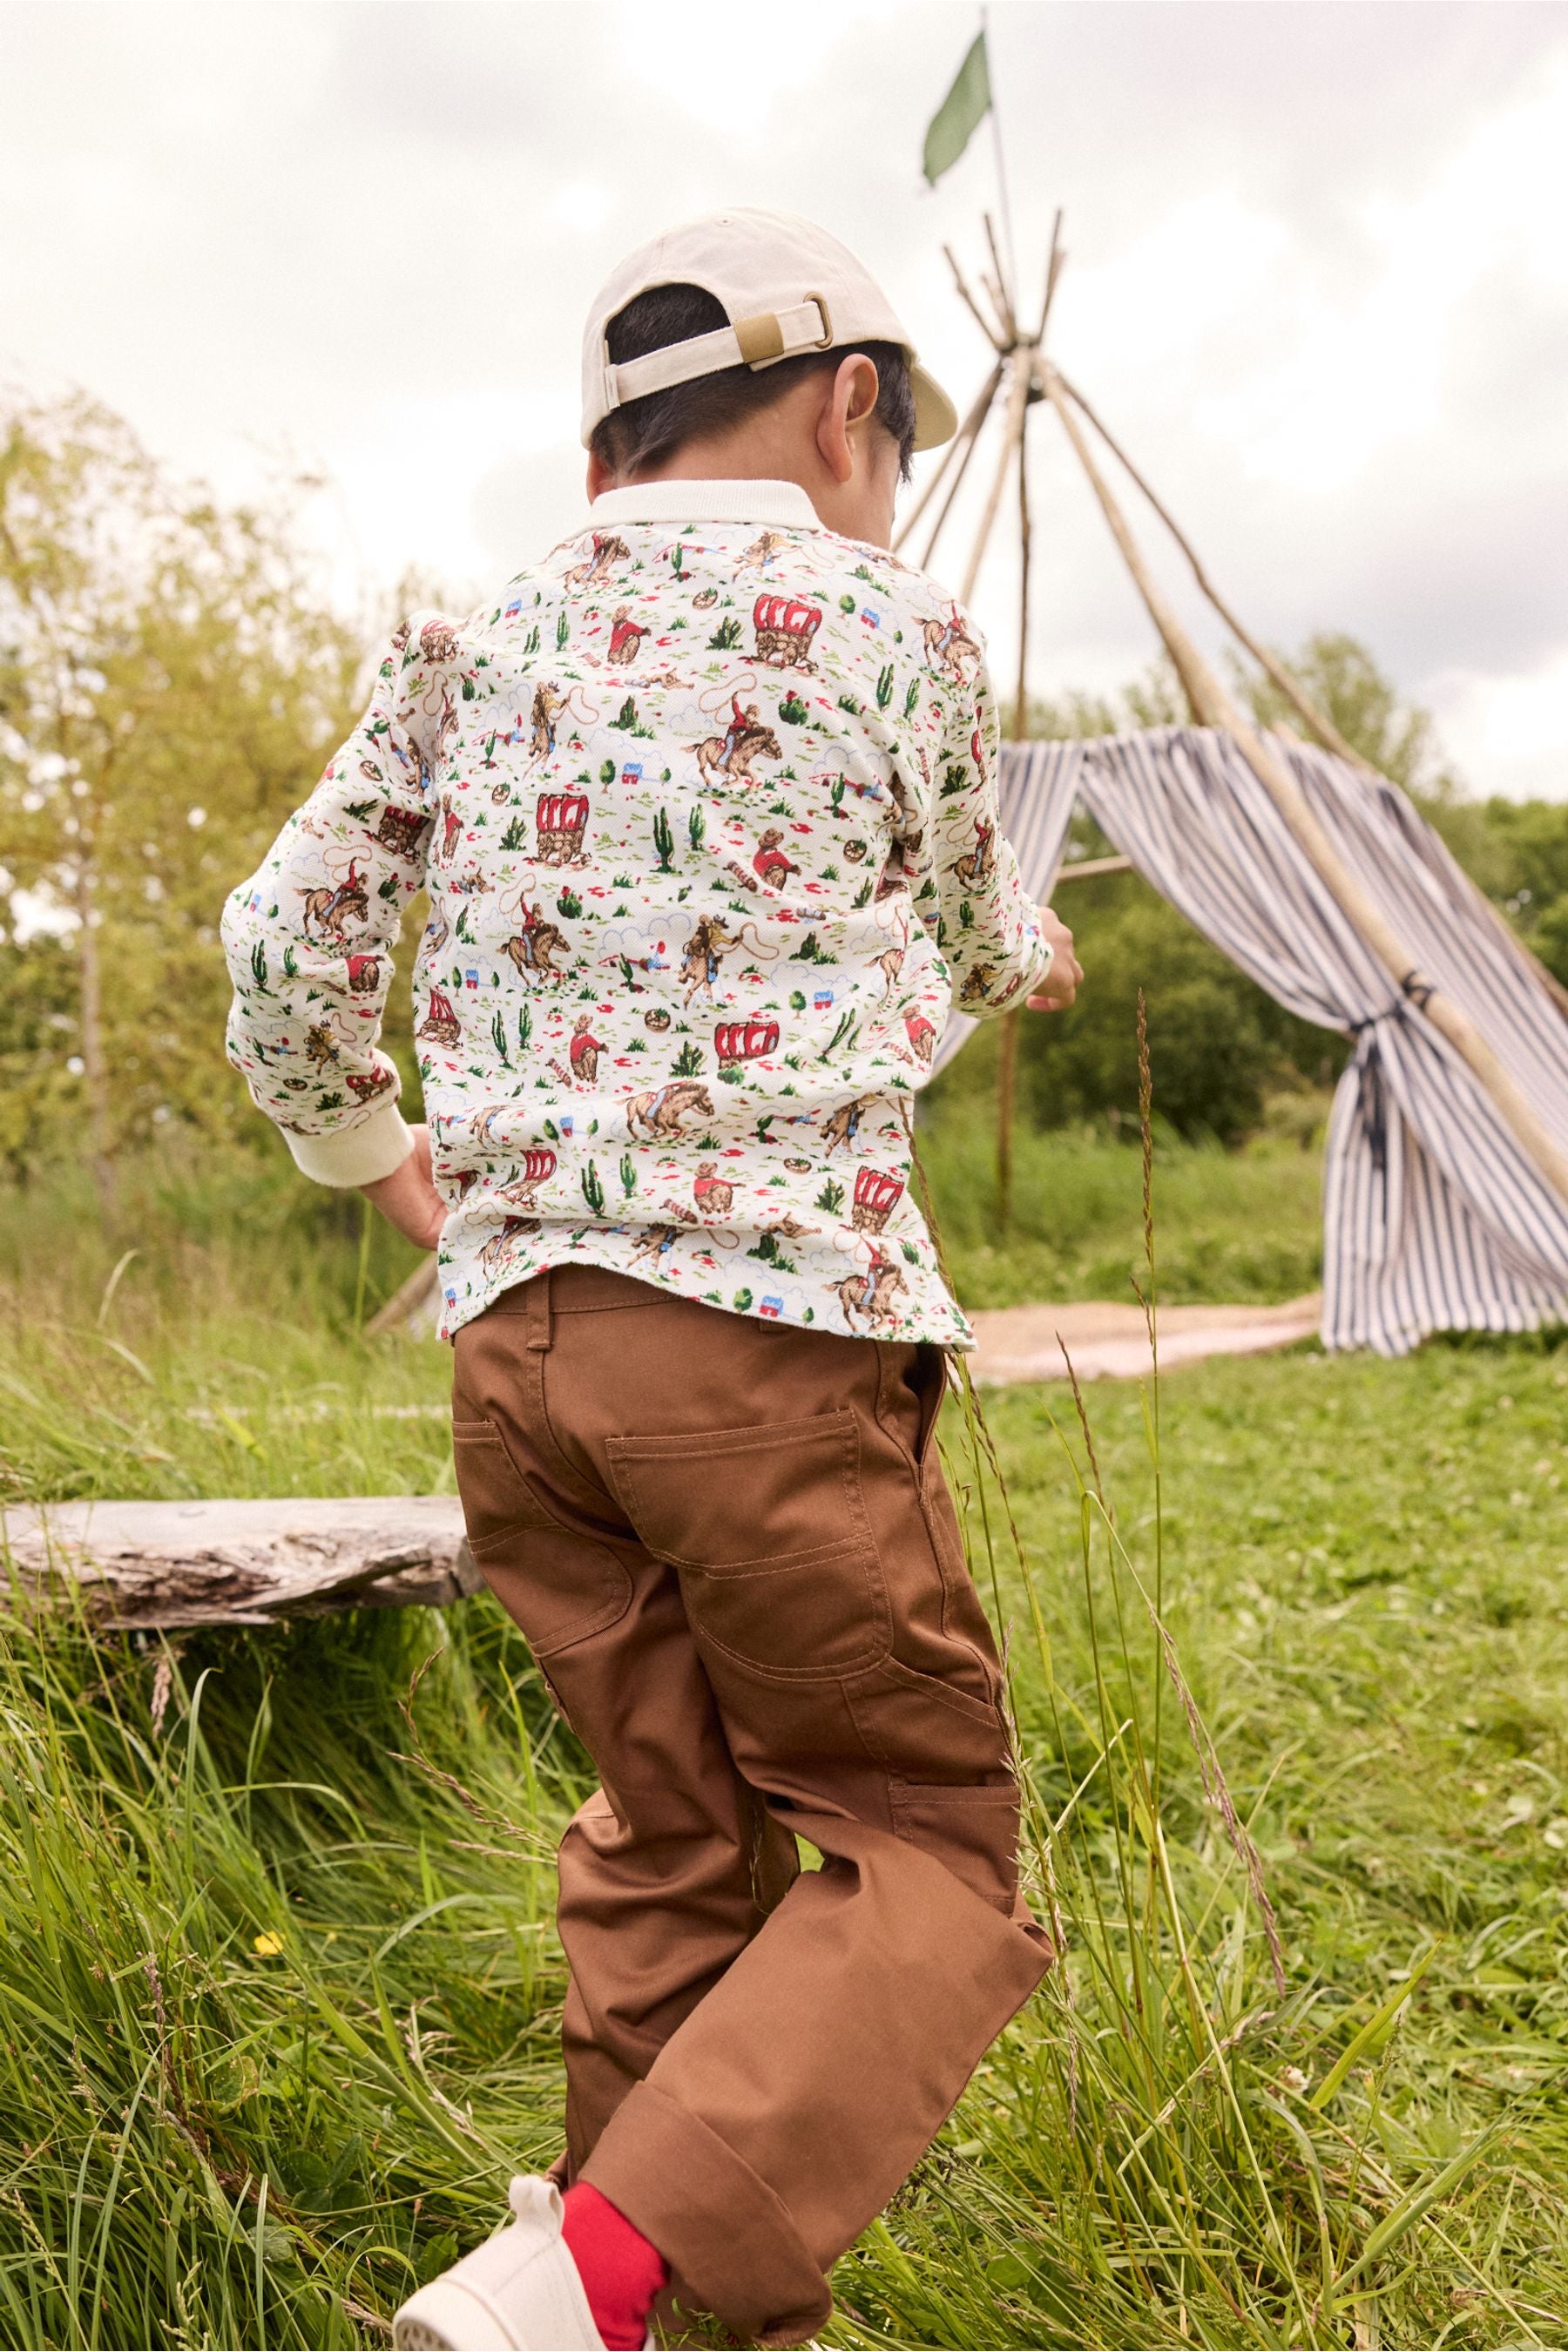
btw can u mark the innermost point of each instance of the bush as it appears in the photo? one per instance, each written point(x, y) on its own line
point(1221, 1045)
point(1208, 1030)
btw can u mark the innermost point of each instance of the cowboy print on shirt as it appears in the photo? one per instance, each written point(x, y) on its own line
point(707, 821)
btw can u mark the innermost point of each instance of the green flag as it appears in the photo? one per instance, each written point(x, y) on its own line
point(960, 114)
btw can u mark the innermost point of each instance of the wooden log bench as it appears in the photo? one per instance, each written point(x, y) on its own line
point(163, 1567)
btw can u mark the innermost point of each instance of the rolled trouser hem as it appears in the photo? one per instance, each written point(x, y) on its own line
point(726, 2235)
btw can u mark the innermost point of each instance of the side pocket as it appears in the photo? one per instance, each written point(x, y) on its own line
point(497, 1498)
point(911, 1392)
point(931, 1385)
point(557, 1584)
point(769, 1528)
point(973, 1832)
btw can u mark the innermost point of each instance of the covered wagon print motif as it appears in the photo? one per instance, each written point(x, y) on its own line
point(708, 828)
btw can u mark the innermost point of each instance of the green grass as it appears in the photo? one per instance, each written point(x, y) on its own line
point(278, 1990)
point(1243, 1225)
point(210, 1343)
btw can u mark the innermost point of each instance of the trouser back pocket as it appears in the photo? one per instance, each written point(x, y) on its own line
point(769, 1528)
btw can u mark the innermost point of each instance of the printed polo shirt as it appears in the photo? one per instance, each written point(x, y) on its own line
point(704, 810)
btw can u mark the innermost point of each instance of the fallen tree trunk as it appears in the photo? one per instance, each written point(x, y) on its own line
point(161, 1565)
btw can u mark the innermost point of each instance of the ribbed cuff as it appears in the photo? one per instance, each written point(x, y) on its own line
point(347, 1156)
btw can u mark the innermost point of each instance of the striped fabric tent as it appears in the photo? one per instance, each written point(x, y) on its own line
point(1446, 1203)
point(1436, 1218)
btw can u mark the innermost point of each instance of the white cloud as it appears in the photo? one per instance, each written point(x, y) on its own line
point(410, 475)
point(730, 67)
point(1203, 267)
point(1512, 731)
point(582, 205)
point(1319, 280)
point(1352, 377)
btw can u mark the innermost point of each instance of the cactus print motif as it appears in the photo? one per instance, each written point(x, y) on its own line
point(708, 830)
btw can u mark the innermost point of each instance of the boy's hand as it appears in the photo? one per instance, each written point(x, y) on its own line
point(408, 1199)
point(1059, 986)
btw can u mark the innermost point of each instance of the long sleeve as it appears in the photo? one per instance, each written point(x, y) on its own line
point(970, 893)
point(309, 938)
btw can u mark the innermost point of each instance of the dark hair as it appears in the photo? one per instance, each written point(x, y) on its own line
point(646, 432)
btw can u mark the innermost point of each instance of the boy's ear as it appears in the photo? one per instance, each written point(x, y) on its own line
point(850, 403)
point(600, 477)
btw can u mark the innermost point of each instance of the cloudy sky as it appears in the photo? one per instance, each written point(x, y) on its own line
point(1319, 278)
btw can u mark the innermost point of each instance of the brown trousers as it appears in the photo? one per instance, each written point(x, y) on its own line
point(732, 1549)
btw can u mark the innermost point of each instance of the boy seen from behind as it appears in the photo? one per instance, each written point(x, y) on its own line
point(705, 808)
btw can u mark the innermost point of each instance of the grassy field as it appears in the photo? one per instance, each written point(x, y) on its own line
point(1234, 1225)
point(278, 1985)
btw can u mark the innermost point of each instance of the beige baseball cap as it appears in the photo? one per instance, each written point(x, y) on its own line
point(786, 286)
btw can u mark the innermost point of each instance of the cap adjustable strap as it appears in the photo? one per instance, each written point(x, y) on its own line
point(750, 342)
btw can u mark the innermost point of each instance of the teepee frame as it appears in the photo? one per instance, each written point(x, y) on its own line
point(1022, 366)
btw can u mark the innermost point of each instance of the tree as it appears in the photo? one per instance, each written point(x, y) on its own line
point(1152, 700)
point(1221, 1045)
point(1344, 679)
point(168, 691)
point(39, 989)
point(1518, 851)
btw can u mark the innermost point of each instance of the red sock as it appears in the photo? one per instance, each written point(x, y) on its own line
point(621, 2272)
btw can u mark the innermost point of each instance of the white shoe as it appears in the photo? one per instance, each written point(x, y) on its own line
point(519, 2292)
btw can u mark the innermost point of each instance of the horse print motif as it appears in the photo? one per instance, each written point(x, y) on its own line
point(706, 818)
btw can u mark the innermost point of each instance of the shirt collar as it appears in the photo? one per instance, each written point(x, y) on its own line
point(682, 502)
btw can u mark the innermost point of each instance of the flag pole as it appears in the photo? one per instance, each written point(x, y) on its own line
point(1003, 200)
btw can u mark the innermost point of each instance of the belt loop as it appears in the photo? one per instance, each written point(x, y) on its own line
point(540, 1329)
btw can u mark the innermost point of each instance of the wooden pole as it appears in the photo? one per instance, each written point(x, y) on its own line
point(1021, 700)
point(957, 484)
point(1000, 287)
point(1214, 708)
point(997, 336)
point(959, 446)
point(1089, 869)
point(995, 114)
point(1316, 720)
point(1006, 1095)
point(1007, 1060)
point(413, 1305)
point(1054, 268)
point(1022, 364)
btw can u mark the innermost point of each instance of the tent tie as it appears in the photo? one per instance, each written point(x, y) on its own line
point(1369, 1088)
point(1370, 1105)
